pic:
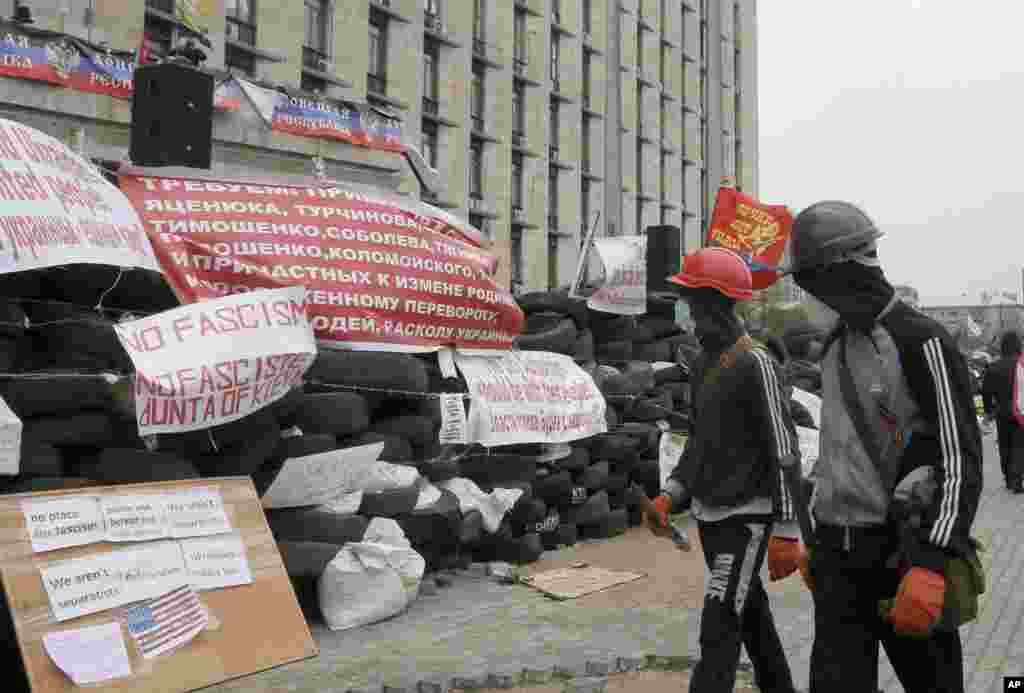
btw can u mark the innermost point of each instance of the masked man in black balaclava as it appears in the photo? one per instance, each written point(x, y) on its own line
point(730, 470)
point(896, 396)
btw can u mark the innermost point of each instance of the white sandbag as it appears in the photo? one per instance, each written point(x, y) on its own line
point(429, 494)
point(345, 504)
point(410, 565)
point(809, 444)
point(354, 594)
point(384, 476)
point(811, 402)
point(371, 580)
point(492, 506)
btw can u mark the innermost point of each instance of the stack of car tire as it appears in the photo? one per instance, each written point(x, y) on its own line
point(588, 490)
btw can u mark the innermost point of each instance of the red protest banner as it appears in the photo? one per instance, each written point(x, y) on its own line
point(376, 273)
point(756, 231)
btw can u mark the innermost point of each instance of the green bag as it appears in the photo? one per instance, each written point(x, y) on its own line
point(965, 583)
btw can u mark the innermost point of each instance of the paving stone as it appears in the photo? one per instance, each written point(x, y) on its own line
point(587, 684)
point(502, 681)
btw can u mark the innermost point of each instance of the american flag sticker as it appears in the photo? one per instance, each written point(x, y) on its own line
point(165, 623)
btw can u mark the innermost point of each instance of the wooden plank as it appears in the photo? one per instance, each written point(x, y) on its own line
point(256, 627)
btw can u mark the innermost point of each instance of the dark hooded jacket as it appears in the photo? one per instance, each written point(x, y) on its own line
point(915, 389)
point(997, 387)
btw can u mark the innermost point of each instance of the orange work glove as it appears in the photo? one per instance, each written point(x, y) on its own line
point(783, 557)
point(804, 565)
point(919, 602)
point(656, 515)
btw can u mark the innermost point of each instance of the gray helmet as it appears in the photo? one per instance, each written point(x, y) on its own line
point(829, 232)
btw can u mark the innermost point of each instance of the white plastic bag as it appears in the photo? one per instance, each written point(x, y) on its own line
point(811, 402)
point(809, 443)
point(371, 580)
point(492, 506)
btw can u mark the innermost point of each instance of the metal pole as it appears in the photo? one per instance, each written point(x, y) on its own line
point(613, 122)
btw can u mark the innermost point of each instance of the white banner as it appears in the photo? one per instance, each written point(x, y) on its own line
point(624, 290)
point(56, 209)
point(213, 362)
point(530, 397)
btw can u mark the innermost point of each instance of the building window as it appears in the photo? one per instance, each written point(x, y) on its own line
point(586, 79)
point(553, 126)
point(555, 59)
point(516, 258)
point(240, 60)
point(431, 59)
point(477, 98)
point(517, 181)
point(477, 222)
point(585, 144)
point(556, 11)
point(476, 170)
point(552, 263)
point(429, 143)
point(585, 202)
point(519, 38)
point(588, 17)
point(479, 21)
point(553, 199)
point(241, 21)
point(376, 78)
point(518, 108)
point(315, 53)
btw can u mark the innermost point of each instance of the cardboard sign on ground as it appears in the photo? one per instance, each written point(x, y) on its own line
point(259, 624)
point(570, 583)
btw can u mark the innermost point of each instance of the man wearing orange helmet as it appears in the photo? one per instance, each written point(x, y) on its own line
point(731, 474)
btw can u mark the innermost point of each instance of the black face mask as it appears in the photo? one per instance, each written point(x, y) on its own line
point(858, 293)
point(715, 323)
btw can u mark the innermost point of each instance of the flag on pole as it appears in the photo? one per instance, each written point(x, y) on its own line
point(165, 623)
point(756, 231)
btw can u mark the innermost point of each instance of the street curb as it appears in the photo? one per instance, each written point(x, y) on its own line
point(592, 678)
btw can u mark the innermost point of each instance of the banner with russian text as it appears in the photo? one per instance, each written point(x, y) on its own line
point(56, 209)
point(48, 56)
point(530, 397)
point(377, 275)
point(756, 231)
point(359, 124)
point(624, 289)
point(214, 362)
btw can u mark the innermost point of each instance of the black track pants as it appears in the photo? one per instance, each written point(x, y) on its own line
point(736, 610)
point(848, 583)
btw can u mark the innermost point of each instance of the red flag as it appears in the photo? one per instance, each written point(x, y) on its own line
point(758, 232)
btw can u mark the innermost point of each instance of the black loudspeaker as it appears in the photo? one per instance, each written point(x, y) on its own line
point(172, 116)
point(664, 256)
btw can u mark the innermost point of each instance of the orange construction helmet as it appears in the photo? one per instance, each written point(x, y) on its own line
point(719, 269)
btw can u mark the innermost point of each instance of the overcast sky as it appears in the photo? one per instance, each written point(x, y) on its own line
point(912, 109)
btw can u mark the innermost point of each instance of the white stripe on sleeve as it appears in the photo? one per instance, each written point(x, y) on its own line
point(949, 436)
point(783, 444)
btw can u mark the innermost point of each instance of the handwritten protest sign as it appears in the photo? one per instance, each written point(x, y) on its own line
point(239, 574)
point(82, 586)
point(216, 562)
point(756, 231)
point(210, 363)
point(624, 290)
point(379, 273)
point(62, 522)
point(530, 397)
point(56, 209)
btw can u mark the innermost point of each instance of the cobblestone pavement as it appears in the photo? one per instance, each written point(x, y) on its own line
point(477, 633)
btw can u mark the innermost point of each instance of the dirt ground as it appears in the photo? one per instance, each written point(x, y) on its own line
point(638, 682)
